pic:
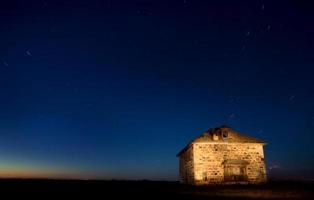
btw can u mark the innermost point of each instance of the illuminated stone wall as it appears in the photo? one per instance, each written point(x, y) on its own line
point(209, 158)
point(187, 166)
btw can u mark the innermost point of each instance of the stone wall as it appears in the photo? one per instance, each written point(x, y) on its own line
point(209, 161)
point(186, 166)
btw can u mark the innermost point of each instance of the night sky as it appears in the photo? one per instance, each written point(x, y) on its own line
point(115, 89)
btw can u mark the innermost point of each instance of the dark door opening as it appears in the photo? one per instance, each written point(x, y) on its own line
point(235, 171)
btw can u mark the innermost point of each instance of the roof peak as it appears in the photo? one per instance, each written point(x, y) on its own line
point(223, 134)
point(224, 126)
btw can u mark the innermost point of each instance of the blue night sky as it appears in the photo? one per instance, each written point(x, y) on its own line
point(114, 89)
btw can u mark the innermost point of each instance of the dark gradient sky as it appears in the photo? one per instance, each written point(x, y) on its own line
point(114, 89)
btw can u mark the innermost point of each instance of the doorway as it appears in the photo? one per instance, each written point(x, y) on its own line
point(235, 170)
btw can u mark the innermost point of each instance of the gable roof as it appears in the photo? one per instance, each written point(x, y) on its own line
point(233, 137)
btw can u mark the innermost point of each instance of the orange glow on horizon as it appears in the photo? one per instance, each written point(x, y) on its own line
point(40, 173)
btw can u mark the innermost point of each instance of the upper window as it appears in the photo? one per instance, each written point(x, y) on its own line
point(224, 134)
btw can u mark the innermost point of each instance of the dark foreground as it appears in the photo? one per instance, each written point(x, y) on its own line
point(150, 190)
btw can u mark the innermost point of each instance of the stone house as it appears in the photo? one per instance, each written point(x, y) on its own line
point(222, 156)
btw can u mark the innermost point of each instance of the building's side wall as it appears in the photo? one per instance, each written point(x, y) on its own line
point(209, 158)
point(186, 166)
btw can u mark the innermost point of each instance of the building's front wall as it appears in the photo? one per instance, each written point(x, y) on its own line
point(209, 159)
point(186, 166)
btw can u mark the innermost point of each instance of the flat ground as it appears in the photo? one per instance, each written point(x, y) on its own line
point(151, 189)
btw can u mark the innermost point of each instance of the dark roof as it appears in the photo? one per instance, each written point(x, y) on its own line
point(233, 137)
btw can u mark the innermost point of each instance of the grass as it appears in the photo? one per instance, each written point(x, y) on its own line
point(152, 189)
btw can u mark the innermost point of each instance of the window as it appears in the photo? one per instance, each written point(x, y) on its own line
point(224, 134)
point(215, 137)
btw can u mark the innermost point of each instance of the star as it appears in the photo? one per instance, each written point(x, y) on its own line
point(28, 53)
point(268, 27)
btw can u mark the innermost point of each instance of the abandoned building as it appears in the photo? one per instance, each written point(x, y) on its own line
point(222, 156)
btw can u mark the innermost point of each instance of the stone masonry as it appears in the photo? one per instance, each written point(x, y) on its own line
point(223, 156)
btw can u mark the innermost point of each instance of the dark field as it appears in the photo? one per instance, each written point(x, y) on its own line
point(151, 189)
